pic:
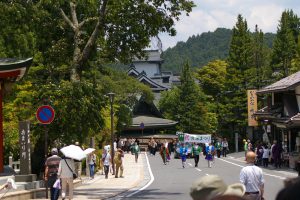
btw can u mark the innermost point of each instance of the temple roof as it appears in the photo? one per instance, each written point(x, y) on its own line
point(14, 68)
point(287, 83)
point(153, 85)
point(151, 122)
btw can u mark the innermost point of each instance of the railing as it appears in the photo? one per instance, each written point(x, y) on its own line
point(15, 165)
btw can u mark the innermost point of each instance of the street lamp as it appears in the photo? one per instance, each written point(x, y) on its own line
point(111, 99)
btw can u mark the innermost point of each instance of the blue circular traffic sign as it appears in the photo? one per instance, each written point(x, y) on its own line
point(45, 114)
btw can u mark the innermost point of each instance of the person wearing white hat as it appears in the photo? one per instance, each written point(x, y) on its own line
point(209, 187)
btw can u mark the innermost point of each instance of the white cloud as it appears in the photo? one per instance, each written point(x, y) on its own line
point(211, 14)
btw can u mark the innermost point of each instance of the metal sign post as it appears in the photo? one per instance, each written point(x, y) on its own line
point(142, 126)
point(45, 114)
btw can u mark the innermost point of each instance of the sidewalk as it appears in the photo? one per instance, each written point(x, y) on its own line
point(136, 175)
point(101, 188)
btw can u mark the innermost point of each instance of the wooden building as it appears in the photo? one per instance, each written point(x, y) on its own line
point(281, 116)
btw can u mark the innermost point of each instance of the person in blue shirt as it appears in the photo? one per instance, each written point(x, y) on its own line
point(210, 150)
point(183, 154)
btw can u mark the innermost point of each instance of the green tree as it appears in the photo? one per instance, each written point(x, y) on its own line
point(295, 66)
point(239, 62)
point(112, 28)
point(16, 36)
point(212, 81)
point(284, 48)
point(211, 77)
point(186, 104)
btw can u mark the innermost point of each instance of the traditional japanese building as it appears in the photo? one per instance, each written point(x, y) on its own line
point(148, 71)
point(147, 118)
point(11, 70)
point(281, 115)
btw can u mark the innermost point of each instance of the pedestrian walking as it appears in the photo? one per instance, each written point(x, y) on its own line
point(252, 177)
point(224, 145)
point(183, 154)
point(136, 151)
point(92, 163)
point(196, 149)
point(259, 154)
point(171, 147)
point(65, 173)
point(276, 154)
point(209, 154)
point(51, 171)
point(118, 159)
point(266, 155)
point(106, 160)
point(245, 147)
point(218, 148)
point(164, 152)
point(249, 146)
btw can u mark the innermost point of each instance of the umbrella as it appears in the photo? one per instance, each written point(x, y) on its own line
point(89, 150)
point(11, 184)
point(74, 152)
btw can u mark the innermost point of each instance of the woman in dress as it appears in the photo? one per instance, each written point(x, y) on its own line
point(209, 154)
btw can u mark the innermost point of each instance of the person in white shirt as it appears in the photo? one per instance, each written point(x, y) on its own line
point(65, 173)
point(252, 177)
point(106, 159)
point(224, 145)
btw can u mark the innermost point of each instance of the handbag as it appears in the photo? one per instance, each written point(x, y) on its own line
point(74, 174)
point(57, 184)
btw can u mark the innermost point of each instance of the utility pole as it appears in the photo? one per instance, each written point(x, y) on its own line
point(111, 98)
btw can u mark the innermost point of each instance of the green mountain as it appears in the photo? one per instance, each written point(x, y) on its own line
point(200, 49)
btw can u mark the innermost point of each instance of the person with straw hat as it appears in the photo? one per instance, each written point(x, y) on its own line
point(209, 187)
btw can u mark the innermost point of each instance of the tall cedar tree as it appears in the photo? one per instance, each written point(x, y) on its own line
point(285, 44)
point(191, 104)
point(239, 62)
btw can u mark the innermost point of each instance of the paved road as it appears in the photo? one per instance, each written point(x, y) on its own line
point(173, 182)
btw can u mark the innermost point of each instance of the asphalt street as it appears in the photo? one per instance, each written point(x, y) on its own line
point(171, 181)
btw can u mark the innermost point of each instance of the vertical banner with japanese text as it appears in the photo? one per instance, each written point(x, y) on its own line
point(252, 107)
point(25, 160)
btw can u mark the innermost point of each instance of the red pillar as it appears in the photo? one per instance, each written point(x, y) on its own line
point(1, 128)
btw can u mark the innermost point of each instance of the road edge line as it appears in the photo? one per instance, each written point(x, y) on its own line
point(149, 183)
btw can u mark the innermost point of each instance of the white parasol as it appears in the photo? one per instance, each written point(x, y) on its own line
point(11, 184)
point(89, 150)
point(73, 151)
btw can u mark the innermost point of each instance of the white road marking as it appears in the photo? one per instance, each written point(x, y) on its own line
point(280, 177)
point(149, 183)
point(199, 170)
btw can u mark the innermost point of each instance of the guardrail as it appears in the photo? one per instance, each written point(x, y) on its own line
point(15, 165)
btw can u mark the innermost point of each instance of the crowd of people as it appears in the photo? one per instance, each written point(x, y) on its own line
point(60, 172)
point(251, 186)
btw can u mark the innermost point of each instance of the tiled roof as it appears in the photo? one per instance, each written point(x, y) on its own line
point(286, 83)
point(151, 121)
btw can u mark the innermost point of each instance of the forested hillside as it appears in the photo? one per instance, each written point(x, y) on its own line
point(200, 49)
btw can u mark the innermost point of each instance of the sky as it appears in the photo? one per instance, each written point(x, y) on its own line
point(211, 14)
